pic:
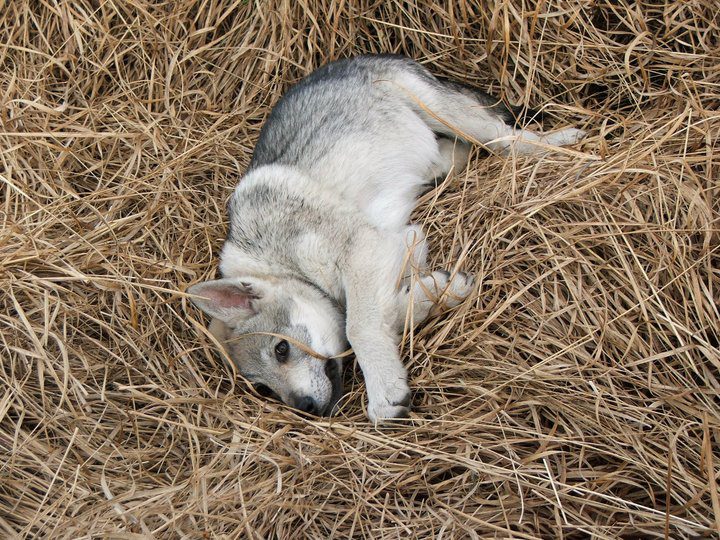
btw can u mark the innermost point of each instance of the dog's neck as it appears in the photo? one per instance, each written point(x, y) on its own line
point(266, 236)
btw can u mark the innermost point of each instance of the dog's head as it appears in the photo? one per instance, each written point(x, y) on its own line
point(270, 327)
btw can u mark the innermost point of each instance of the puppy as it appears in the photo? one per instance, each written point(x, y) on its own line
point(317, 251)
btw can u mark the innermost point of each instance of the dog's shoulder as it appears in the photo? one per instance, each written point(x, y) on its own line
point(283, 223)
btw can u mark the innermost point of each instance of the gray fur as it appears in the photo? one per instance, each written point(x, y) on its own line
point(319, 231)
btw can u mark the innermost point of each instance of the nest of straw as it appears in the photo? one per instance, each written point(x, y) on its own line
point(574, 395)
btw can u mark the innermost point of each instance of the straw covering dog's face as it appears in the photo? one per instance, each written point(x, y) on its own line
point(264, 326)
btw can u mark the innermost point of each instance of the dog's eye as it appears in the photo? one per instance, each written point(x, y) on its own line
point(281, 351)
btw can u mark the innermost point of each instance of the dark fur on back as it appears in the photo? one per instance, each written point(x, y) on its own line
point(332, 93)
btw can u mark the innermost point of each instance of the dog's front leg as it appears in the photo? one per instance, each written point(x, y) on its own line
point(428, 295)
point(375, 343)
point(372, 309)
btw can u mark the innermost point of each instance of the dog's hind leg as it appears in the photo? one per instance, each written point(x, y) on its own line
point(453, 154)
point(455, 110)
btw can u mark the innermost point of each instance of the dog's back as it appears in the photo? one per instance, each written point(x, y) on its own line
point(362, 95)
point(367, 129)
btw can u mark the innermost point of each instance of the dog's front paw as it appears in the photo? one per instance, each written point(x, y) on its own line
point(453, 291)
point(393, 402)
point(460, 287)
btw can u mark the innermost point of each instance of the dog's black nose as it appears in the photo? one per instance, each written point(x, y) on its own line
point(307, 404)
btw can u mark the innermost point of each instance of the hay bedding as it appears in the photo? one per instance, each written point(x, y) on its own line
point(576, 394)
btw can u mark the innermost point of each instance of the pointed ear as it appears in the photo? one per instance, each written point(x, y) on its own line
point(230, 300)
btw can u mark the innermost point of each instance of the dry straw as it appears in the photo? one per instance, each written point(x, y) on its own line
point(574, 396)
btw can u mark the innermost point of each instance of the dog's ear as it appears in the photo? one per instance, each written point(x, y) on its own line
point(230, 300)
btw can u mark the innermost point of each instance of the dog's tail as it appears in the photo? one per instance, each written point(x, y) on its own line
point(456, 110)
